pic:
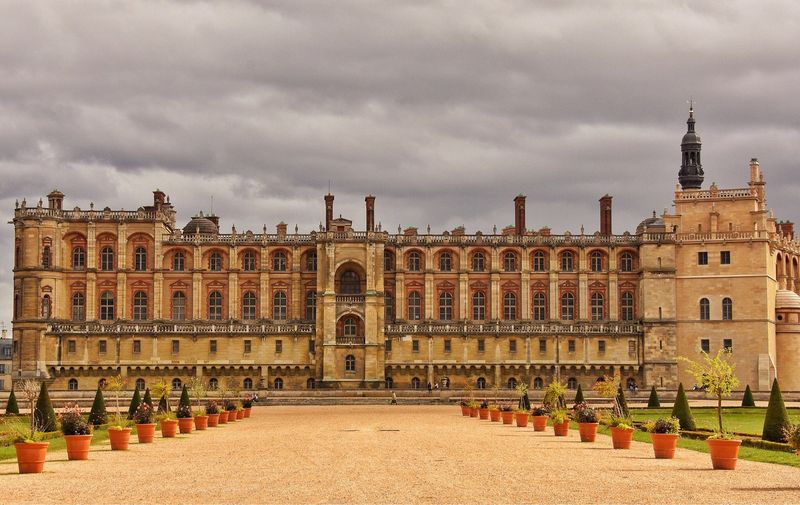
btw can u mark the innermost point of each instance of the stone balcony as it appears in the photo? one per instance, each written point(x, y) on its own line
point(350, 340)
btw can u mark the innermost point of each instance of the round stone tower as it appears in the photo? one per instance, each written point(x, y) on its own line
point(787, 338)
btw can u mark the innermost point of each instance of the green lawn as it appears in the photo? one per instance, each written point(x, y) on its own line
point(738, 420)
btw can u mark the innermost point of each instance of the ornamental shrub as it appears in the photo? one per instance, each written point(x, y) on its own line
point(185, 401)
point(777, 419)
point(147, 398)
point(98, 415)
point(653, 402)
point(12, 409)
point(747, 399)
point(72, 422)
point(43, 414)
point(135, 401)
point(163, 407)
point(623, 405)
point(579, 396)
point(682, 411)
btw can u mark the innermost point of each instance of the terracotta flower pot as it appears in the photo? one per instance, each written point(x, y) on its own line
point(169, 428)
point(588, 431)
point(483, 414)
point(119, 438)
point(231, 416)
point(724, 453)
point(494, 416)
point(473, 411)
point(561, 429)
point(621, 437)
point(240, 414)
point(146, 432)
point(223, 417)
point(539, 423)
point(213, 420)
point(185, 424)
point(664, 444)
point(200, 422)
point(78, 446)
point(508, 417)
point(465, 411)
point(247, 411)
point(31, 456)
point(521, 418)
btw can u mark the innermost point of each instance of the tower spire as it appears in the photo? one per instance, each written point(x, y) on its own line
point(691, 172)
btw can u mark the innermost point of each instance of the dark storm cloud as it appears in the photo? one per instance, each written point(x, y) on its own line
point(444, 110)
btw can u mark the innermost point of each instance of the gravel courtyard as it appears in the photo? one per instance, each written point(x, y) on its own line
point(389, 454)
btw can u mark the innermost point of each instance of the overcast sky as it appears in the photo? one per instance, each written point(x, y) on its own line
point(443, 110)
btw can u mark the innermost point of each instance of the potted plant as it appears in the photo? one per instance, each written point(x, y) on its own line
point(507, 414)
point(198, 389)
point(473, 408)
point(169, 425)
point(247, 405)
point(521, 417)
point(792, 434)
point(494, 412)
point(539, 415)
point(239, 411)
point(184, 412)
point(554, 400)
point(230, 407)
point(145, 420)
point(587, 420)
point(31, 450)
point(717, 376)
point(464, 408)
point(560, 419)
point(77, 432)
point(621, 426)
point(212, 411)
point(621, 433)
point(223, 394)
point(483, 410)
point(120, 433)
point(664, 434)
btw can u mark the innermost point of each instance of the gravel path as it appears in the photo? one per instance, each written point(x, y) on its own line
point(389, 454)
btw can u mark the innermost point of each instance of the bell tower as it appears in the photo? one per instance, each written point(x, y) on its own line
point(691, 173)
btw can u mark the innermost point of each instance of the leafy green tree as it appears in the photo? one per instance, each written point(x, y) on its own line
point(777, 418)
point(747, 399)
point(623, 404)
point(653, 401)
point(98, 415)
point(524, 401)
point(12, 409)
point(147, 398)
point(718, 376)
point(579, 395)
point(682, 411)
point(43, 415)
point(135, 402)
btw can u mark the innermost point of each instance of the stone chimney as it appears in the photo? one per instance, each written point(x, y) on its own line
point(787, 229)
point(370, 212)
point(281, 229)
point(755, 170)
point(605, 215)
point(214, 219)
point(519, 215)
point(159, 198)
point(328, 211)
point(55, 199)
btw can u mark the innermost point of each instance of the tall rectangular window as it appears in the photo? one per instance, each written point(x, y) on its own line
point(481, 345)
point(415, 345)
point(71, 346)
point(447, 345)
point(312, 345)
point(724, 257)
point(631, 348)
point(212, 346)
point(137, 346)
point(279, 346)
point(248, 346)
point(601, 346)
point(727, 344)
point(542, 345)
point(702, 258)
point(512, 345)
point(705, 345)
point(102, 346)
point(176, 346)
point(387, 345)
point(571, 345)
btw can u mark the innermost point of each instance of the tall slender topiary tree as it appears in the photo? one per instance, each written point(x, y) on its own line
point(185, 400)
point(163, 406)
point(623, 404)
point(147, 398)
point(135, 401)
point(777, 418)
point(579, 395)
point(653, 401)
point(12, 409)
point(98, 415)
point(43, 415)
point(682, 411)
point(747, 399)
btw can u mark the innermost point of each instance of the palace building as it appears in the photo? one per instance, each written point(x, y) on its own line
point(102, 292)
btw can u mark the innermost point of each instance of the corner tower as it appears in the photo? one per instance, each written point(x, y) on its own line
point(691, 173)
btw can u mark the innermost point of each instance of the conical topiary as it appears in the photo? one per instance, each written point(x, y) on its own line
point(747, 399)
point(525, 401)
point(43, 414)
point(185, 400)
point(98, 415)
point(162, 405)
point(653, 402)
point(147, 398)
point(623, 404)
point(777, 418)
point(682, 411)
point(579, 395)
point(12, 409)
point(135, 401)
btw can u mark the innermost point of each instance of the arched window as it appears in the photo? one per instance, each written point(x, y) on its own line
point(539, 264)
point(247, 384)
point(140, 384)
point(78, 258)
point(178, 262)
point(350, 283)
point(568, 306)
point(140, 306)
point(279, 306)
point(478, 262)
point(727, 309)
point(46, 306)
point(479, 306)
point(107, 259)
point(107, 306)
point(538, 383)
point(705, 309)
point(626, 262)
point(279, 261)
point(414, 306)
point(480, 383)
point(350, 363)
point(446, 306)
point(213, 383)
point(215, 305)
point(311, 261)
point(626, 306)
point(46, 257)
point(509, 262)
point(567, 262)
point(278, 383)
point(388, 307)
point(596, 261)
point(350, 327)
point(311, 383)
point(176, 384)
point(311, 306)
point(415, 383)
point(388, 383)
point(249, 261)
point(445, 262)
point(215, 262)
point(72, 385)
point(249, 305)
point(178, 306)
point(414, 262)
point(510, 306)
point(512, 383)
point(388, 261)
point(101, 383)
point(140, 259)
point(598, 307)
point(572, 383)
point(539, 306)
point(78, 307)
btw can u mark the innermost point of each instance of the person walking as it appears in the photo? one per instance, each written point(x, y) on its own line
point(430, 388)
point(394, 399)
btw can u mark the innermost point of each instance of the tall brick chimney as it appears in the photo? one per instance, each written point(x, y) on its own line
point(787, 229)
point(328, 211)
point(605, 215)
point(370, 212)
point(281, 229)
point(519, 215)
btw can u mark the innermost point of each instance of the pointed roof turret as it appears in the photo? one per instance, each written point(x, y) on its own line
point(691, 173)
